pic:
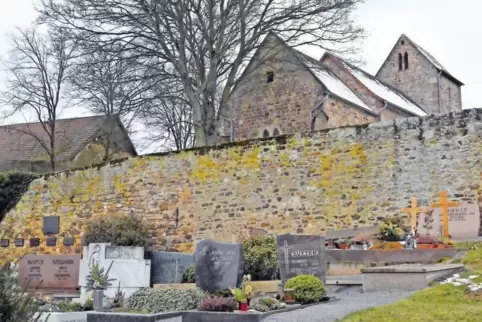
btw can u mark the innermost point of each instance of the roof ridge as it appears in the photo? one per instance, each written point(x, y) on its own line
point(57, 120)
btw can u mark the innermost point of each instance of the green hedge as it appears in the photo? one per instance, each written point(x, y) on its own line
point(12, 187)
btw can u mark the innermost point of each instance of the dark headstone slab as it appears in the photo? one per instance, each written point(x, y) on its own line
point(69, 241)
point(219, 266)
point(51, 225)
point(51, 241)
point(301, 254)
point(167, 267)
point(4, 242)
point(19, 242)
point(49, 272)
point(34, 242)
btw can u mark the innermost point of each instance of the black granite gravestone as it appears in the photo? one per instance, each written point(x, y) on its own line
point(301, 254)
point(219, 266)
point(69, 241)
point(167, 267)
point(34, 242)
point(4, 242)
point(51, 241)
point(19, 242)
point(51, 225)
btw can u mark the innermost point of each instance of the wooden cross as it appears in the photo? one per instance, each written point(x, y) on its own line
point(444, 204)
point(414, 211)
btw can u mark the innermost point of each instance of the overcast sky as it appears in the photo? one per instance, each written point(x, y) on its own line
point(448, 29)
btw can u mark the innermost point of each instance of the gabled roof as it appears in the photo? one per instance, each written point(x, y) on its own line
point(429, 57)
point(330, 81)
point(381, 89)
point(18, 141)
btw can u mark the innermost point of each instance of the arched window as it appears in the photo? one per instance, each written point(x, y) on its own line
point(266, 134)
point(276, 132)
point(406, 60)
point(400, 61)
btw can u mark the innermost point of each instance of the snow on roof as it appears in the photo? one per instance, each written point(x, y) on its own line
point(333, 83)
point(385, 92)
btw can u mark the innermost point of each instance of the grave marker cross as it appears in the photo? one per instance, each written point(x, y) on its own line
point(444, 204)
point(414, 211)
point(286, 249)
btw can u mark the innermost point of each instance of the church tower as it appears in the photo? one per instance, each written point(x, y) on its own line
point(415, 72)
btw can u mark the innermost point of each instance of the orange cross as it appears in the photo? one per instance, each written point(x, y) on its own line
point(414, 211)
point(444, 204)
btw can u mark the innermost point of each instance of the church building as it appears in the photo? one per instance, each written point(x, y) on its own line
point(285, 91)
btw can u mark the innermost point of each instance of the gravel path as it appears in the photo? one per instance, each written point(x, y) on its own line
point(351, 300)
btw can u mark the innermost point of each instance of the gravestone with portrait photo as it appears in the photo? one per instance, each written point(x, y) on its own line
point(219, 266)
point(301, 254)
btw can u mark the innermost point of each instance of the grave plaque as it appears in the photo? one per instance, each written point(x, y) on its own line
point(19, 242)
point(51, 241)
point(34, 242)
point(69, 241)
point(167, 267)
point(49, 272)
point(464, 221)
point(301, 254)
point(4, 242)
point(51, 225)
point(219, 266)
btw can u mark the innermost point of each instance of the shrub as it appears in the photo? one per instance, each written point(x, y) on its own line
point(308, 288)
point(68, 306)
point(266, 304)
point(15, 303)
point(427, 239)
point(217, 304)
point(12, 187)
point(223, 293)
point(261, 258)
point(123, 230)
point(189, 275)
point(165, 300)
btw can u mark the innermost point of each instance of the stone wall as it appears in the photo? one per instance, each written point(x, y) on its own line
point(305, 183)
point(450, 95)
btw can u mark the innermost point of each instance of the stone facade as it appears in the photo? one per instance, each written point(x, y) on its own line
point(304, 183)
point(421, 80)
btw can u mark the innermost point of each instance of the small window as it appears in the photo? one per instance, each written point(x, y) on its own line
point(400, 61)
point(403, 42)
point(276, 132)
point(266, 134)
point(406, 60)
point(269, 77)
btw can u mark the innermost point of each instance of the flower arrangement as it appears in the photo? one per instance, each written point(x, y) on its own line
point(239, 295)
point(247, 286)
point(391, 232)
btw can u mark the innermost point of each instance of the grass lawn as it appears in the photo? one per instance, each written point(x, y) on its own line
point(444, 303)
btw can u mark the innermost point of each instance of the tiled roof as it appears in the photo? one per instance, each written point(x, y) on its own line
point(18, 141)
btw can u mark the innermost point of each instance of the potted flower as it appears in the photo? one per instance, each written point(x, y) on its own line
point(289, 295)
point(247, 287)
point(427, 241)
point(391, 233)
point(344, 243)
point(241, 298)
point(97, 282)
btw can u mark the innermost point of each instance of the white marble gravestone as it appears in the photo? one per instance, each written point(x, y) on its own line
point(129, 267)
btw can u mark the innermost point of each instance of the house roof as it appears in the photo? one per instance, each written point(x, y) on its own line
point(430, 58)
point(330, 80)
point(381, 89)
point(20, 142)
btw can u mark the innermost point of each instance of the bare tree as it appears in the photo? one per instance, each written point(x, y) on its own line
point(207, 42)
point(106, 82)
point(37, 68)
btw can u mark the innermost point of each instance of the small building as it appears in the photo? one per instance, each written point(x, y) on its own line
point(78, 142)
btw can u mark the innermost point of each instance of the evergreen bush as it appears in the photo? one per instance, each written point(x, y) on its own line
point(12, 187)
point(165, 300)
point(189, 275)
point(122, 230)
point(261, 258)
point(308, 288)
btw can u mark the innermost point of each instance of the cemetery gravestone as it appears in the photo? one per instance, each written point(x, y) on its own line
point(68, 241)
point(51, 241)
point(219, 266)
point(49, 272)
point(34, 242)
point(51, 225)
point(168, 267)
point(301, 254)
point(464, 221)
point(19, 242)
point(4, 243)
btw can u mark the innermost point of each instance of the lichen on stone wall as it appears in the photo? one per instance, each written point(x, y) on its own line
point(303, 183)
